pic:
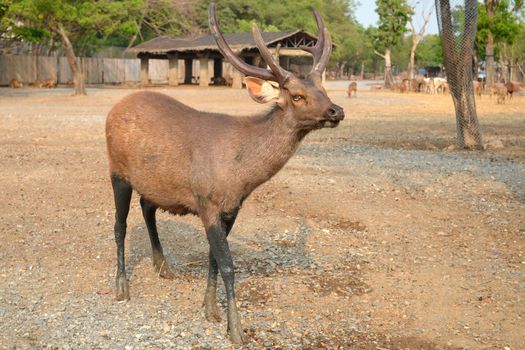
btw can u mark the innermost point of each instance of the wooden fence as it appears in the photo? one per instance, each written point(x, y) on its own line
point(28, 69)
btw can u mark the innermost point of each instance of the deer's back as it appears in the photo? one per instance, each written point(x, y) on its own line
point(169, 152)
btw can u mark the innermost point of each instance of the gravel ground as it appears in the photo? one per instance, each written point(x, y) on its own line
point(376, 235)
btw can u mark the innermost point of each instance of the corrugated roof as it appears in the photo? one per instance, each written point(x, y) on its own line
point(237, 41)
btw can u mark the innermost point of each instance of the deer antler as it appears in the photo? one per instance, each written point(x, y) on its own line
point(323, 47)
point(278, 74)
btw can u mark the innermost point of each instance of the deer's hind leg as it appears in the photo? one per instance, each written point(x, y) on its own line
point(122, 191)
point(159, 261)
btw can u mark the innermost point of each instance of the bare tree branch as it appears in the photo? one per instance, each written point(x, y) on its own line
point(417, 37)
point(379, 54)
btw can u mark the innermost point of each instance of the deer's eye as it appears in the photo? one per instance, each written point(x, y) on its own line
point(297, 98)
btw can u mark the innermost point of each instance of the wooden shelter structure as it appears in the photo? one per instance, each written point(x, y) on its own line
point(285, 46)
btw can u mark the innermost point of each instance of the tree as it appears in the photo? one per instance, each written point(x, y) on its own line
point(393, 18)
point(161, 17)
point(458, 28)
point(80, 25)
point(497, 23)
point(417, 36)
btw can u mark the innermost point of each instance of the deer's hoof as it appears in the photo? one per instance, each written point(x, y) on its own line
point(122, 288)
point(212, 313)
point(237, 336)
point(163, 270)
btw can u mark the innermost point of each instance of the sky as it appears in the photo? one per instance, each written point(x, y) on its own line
point(366, 14)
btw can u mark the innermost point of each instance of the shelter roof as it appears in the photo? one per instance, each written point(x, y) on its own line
point(237, 41)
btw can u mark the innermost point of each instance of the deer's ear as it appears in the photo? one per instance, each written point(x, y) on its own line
point(261, 90)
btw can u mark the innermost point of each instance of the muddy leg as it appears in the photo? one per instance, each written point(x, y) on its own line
point(159, 262)
point(122, 193)
point(210, 298)
point(221, 251)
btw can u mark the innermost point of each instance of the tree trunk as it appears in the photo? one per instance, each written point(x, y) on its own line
point(341, 72)
point(78, 77)
point(458, 65)
point(412, 59)
point(489, 59)
point(362, 70)
point(468, 129)
point(416, 38)
point(389, 79)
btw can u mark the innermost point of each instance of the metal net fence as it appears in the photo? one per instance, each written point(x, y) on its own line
point(457, 22)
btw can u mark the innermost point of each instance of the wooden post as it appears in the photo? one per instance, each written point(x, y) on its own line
point(237, 79)
point(144, 71)
point(188, 69)
point(204, 80)
point(217, 67)
point(173, 75)
point(285, 62)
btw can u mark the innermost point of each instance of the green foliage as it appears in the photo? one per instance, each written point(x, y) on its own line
point(88, 23)
point(236, 15)
point(393, 19)
point(401, 52)
point(518, 49)
point(429, 52)
point(505, 25)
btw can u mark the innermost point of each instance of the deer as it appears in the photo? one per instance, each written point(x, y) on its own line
point(478, 87)
point(15, 84)
point(185, 161)
point(49, 83)
point(352, 88)
point(512, 87)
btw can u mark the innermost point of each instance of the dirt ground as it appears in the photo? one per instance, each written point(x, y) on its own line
point(376, 234)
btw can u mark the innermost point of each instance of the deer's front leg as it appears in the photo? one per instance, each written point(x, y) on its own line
point(216, 233)
point(210, 298)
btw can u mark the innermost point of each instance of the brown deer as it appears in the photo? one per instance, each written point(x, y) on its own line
point(352, 88)
point(15, 84)
point(512, 87)
point(185, 161)
point(478, 87)
point(501, 94)
point(49, 83)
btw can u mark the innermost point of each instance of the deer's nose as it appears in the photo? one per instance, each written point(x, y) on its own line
point(335, 113)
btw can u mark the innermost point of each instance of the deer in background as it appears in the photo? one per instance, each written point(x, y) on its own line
point(352, 88)
point(185, 161)
point(15, 84)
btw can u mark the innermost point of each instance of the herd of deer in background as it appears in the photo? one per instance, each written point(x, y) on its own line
point(438, 85)
point(432, 86)
point(48, 83)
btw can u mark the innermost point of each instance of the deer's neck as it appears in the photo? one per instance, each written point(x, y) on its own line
point(274, 138)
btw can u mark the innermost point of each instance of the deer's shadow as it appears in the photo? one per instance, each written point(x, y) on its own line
point(257, 255)
point(186, 250)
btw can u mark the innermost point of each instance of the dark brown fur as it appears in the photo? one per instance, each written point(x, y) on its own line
point(512, 87)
